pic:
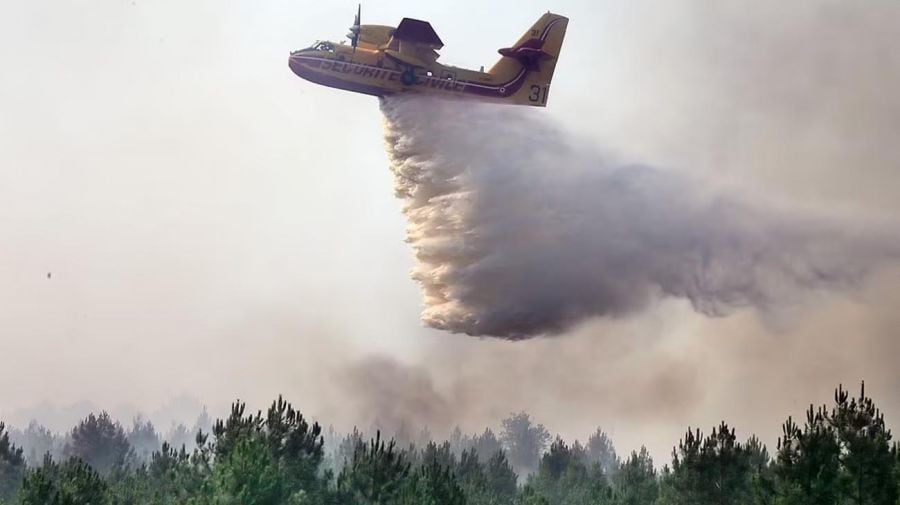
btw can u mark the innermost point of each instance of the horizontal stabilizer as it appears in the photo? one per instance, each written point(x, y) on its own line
point(529, 53)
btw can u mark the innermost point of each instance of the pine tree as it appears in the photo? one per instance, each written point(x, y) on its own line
point(376, 475)
point(12, 465)
point(564, 478)
point(203, 422)
point(490, 483)
point(808, 462)
point(347, 448)
point(248, 475)
point(175, 476)
point(433, 483)
point(502, 480)
point(636, 482)
point(486, 445)
point(458, 442)
point(600, 450)
point(841, 456)
point(865, 449)
point(36, 441)
point(229, 432)
point(179, 437)
point(293, 447)
point(72, 483)
point(143, 439)
point(762, 475)
point(713, 470)
point(442, 454)
point(38, 487)
point(100, 442)
point(524, 442)
point(470, 473)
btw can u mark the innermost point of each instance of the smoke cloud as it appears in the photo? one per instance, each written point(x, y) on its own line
point(520, 229)
point(380, 391)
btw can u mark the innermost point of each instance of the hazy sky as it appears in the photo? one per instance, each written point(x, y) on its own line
point(216, 227)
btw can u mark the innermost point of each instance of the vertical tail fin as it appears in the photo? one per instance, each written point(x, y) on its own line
point(537, 52)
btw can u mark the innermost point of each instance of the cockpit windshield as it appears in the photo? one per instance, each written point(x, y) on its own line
point(323, 46)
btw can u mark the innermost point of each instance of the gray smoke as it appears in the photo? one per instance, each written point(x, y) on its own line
point(380, 391)
point(519, 229)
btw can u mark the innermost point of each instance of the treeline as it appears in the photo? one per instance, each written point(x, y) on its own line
point(842, 454)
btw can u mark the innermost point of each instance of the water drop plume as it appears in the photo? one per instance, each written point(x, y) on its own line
point(521, 229)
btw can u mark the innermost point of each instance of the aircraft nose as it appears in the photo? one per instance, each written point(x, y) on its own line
point(294, 63)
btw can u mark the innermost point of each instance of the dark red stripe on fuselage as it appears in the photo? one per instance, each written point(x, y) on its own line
point(300, 62)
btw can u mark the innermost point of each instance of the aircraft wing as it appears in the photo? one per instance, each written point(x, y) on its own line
point(418, 32)
point(414, 43)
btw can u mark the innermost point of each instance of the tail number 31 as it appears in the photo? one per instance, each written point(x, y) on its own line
point(539, 94)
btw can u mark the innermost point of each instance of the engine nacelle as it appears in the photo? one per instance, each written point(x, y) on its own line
point(375, 35)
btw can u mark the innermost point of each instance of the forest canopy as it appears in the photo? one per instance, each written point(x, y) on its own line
point(838, 454)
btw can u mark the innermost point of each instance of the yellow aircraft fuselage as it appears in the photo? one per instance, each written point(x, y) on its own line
point(389, 61)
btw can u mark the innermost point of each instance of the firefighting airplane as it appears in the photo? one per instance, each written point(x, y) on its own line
point(382, 61)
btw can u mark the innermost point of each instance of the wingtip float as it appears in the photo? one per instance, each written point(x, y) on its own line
point(383, 61)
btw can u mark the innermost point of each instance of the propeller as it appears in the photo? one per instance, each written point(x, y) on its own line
point(354, 30)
